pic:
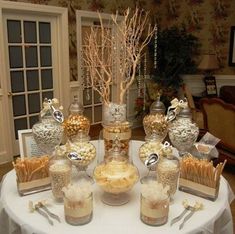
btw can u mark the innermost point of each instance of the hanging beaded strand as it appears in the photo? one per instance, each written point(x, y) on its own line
point(144, 79)
point(88, 97)
point(155, 50)
point(139, 79)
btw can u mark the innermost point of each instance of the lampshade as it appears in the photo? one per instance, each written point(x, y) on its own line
point(209, 62)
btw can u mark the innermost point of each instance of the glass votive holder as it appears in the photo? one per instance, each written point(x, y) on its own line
point(78, 212)
point(154, 213)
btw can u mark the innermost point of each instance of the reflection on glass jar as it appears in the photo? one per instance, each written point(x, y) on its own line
point(78, 212)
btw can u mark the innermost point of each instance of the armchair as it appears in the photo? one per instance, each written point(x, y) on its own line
point(219, 120)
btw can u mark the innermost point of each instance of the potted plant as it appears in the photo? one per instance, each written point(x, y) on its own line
point(175, 52)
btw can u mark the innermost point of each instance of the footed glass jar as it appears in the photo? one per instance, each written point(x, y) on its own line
point(156, 124)
point(81, 153)
point(76, 123)
point(47, 133)
point(116, 176)
point(183, 132)
point(168, 169)
point(60, 169)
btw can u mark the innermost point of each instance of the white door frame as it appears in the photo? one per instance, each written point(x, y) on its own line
point(63, 76)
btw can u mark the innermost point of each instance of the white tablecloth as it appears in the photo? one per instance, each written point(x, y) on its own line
point(16, 219)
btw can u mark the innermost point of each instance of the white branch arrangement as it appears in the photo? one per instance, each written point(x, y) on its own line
point(132, 34)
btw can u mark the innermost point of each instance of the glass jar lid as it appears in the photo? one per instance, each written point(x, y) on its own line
point(76, 107)
point(185, 113)
point(157, 107)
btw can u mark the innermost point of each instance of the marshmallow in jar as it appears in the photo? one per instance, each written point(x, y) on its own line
point(154, 203)
point(76, 123)
point(78, 203)
point(183, 132)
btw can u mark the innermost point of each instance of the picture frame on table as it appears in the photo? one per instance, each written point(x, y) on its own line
point(211, 87)
point(27, 145)
point(231, 57)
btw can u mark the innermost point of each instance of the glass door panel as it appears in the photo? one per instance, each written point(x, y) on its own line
point(31, 68)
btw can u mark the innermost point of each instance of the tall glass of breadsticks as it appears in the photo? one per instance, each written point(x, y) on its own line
point(116, 175)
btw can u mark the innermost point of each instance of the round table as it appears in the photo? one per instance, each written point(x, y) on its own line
point(16, 218)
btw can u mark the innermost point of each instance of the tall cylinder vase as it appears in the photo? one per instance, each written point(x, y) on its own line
point(116, 127)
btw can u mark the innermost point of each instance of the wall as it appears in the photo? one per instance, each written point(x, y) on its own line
point(209, 20)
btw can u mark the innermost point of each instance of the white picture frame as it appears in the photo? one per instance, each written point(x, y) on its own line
point(28, 146)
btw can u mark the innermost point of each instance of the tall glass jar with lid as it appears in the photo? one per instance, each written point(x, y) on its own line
point(183, 132)
point(76, 123)
point(156, 124)
point(116, 175)
point(115, 126)
point(48, 132)
point(60, 169)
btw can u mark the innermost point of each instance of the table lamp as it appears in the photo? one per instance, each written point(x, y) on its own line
point(208, 64)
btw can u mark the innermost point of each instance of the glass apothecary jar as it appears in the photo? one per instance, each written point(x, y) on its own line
point(156, 124)
point(183, 132)
point(121, 130)
point(154, 203)
point(78, 203)
point(116, 176)
point(81, 152)
point(60, 169)
point(168, 168)
point(76, 123)
point(48, 132)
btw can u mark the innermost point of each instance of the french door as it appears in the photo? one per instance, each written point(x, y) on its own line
point(32, 61)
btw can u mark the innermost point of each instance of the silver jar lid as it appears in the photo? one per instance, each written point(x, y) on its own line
point(157, 107)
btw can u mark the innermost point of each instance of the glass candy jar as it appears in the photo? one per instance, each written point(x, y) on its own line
point(116, 176)
point(183, 132)
point(168, 169)
point(81, 153)
point(156, 124)
point(48, 132)
point(60, 169)
point(154, 203)
point(121, 130)
point(76, 123)
point(78, 203)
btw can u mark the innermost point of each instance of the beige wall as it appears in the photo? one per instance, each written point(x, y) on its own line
point(209, 20)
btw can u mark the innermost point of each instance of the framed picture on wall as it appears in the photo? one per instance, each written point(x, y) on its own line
point(231, 57)
point(211, 88)
point(28, 146)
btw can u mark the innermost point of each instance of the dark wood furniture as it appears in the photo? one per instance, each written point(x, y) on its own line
point(219, 120)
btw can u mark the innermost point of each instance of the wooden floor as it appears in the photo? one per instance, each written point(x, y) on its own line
point(138, 134)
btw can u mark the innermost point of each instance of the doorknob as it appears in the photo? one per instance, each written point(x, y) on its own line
point(10, 94)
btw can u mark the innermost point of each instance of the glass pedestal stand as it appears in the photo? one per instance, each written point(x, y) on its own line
point(113, 199)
